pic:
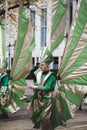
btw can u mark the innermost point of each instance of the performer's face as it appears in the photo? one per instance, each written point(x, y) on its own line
point(43, 67)
point(2, 70)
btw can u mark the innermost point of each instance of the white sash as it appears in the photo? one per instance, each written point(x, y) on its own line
point(39, 77)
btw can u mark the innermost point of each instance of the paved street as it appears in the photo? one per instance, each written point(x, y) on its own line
point(20, 121)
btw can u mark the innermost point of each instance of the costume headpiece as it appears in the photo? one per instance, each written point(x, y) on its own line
point(46, 57)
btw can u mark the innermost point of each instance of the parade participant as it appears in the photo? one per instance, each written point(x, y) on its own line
point(11, 97)
point(42, 109)
point(4, 80)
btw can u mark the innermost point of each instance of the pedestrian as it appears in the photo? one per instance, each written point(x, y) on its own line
point(31, 74)
point(42, 106)
point(85, 99)
point(4, 96)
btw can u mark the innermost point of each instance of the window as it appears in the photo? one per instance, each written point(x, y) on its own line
point(43, 27)
point(71, 13)
point(33, 20)
point(33, 61)
point(55, 63)
point(77, 1)
point(37, 59)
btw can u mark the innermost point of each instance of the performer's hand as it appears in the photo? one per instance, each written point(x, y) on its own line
point(33, 87)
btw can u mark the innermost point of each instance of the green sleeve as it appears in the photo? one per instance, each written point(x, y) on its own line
point(5, 81)
point(49, 84)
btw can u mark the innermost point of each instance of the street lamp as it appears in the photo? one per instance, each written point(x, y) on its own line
point(9, 57)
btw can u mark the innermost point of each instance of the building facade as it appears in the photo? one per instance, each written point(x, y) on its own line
point(41, 21)
point(40, 16)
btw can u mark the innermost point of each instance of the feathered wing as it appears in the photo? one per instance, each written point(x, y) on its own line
point(73, 69)
point(21, 63)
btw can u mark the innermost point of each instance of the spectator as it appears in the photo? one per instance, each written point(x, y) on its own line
point(31, 74)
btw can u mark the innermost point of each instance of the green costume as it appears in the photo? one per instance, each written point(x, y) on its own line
point(42, 102)
point(4, 97)
point(47, 110)
point(11, 97)
point(45, 106)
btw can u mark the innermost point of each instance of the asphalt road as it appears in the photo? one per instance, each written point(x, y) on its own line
point(21, 121)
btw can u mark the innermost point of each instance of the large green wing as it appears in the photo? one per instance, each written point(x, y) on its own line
point(23, 51)
point(21, 62)
point(73, 69)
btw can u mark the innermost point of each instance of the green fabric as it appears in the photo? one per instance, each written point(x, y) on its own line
point(21, 82)
point(21, 35)
point(80, 80)
point(4, 80)
point(6, 109)
point(25, 58)
point(18, 92)
point(46, 57)
point(64, 107)
point(17, 95)
point(57, 42)
point(36, 118)
point(81, 59)
point(71, 96)
point(49, 85)
point(58, 16)
point(55, 117)
point(16, 98)
point(20, 62)
point(60, 11)
point(78, 30)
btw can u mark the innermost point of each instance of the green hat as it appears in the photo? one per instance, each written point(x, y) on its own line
point(3, 63)
point(46, 57)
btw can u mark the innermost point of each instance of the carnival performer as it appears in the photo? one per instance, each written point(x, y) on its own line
point(11, 97)
point(43, 110)
point(4, 83)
